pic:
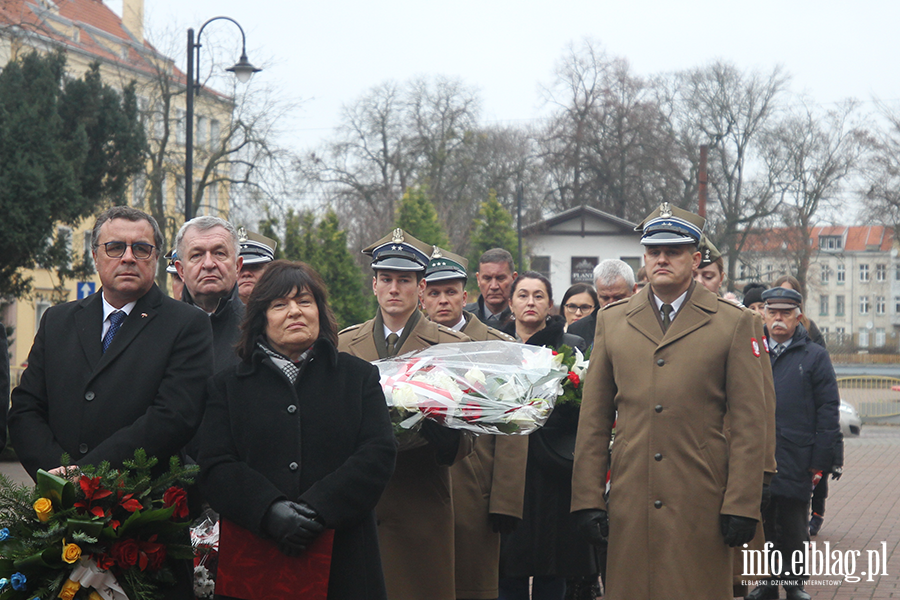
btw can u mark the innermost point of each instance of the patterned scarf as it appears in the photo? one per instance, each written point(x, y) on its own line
point(291, 369)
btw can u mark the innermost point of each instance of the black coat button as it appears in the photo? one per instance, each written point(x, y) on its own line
point(89, 396)
point(293, 466)
point(657, 456)
point(292, 409)
point(658, 408)
point(83, 448)
point(658, 504)
point(661, 361)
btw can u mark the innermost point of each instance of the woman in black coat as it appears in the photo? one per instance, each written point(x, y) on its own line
point(545, 545)
point(296, 438)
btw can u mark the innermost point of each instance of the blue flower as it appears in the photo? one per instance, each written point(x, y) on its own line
point(4, 534)
point(18, 582)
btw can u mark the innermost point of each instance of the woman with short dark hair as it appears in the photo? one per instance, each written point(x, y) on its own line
point(296, 438)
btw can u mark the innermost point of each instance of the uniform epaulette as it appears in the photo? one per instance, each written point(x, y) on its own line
point(451, 332)
point(730, 303)
point(349, 329)
point(616, 303)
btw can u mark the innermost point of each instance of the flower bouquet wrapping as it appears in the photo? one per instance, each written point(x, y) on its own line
point(576, 364)
point(205, 541)
point(486, 387)
point(110, 537)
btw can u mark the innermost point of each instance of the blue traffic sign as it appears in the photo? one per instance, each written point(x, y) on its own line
point(85, 289)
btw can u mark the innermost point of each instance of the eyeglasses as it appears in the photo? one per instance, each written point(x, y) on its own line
point(140, 250)
point(583, 308)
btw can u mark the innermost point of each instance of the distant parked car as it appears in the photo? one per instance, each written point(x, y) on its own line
point(851, 424)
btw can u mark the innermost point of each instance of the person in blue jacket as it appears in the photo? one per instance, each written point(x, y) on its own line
point(807, 429)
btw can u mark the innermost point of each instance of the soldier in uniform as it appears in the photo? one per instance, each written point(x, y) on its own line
point(488, 484)
point(672, 360)
point(415, 514)
point(177, 281)
point(257, 251)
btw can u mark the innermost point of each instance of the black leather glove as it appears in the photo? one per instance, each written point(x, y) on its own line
point(766, 498)
point(592, 524)
point(291, 530)
point(311, 524)
point(737, 531)
point(445, 440)
point(503, 524)
point(836, 472)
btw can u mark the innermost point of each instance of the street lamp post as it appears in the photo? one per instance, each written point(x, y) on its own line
point(243, 70)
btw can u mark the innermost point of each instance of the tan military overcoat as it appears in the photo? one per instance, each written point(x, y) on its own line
point(672, 471)
point(415, 514)
point(489, 480)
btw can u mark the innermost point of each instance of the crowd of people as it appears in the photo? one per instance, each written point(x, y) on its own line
point(702, 428)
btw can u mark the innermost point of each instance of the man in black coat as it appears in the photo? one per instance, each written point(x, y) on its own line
point(122, 369)
point(807, 428)
point(614, 281)
point(208, 260)
point(495, 276)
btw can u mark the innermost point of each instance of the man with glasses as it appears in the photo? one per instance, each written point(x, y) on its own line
point(614, 281)
point(122, 369)
point(207, 256)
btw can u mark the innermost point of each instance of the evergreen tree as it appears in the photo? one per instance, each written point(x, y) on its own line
point(67, 147)
point(416, 216)
point(493, 229)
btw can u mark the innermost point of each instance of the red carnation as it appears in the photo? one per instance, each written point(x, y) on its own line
point(125, 553)
point(574, 378)
point(177, 497)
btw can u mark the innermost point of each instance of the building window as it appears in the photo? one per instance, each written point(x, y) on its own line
point(201, 131)
point(213, 194)
point(839, 306)
point(823, 274)
point(40, 307)
point(64, 237)
point(864, 273)
point(897, 272)
point(214, 134)
point(863, 305)
point(823, 305)
point(180, 126)
point(138, 191)
point(770, 268)
point(897, 305)
point(880, 337)
point(830, 242)
point(541, 264)
point(88, 252)
point(179, 195)
point(840, 334)
point(880, 272)
point(880, 305)
point(841, 274)
point(863, 338)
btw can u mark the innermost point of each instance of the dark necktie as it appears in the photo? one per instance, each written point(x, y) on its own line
point(392, 344)
point(666, 316)
point(115, 322)
point(778, 349)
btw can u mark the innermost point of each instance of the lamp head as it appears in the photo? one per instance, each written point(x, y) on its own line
point(243, 69)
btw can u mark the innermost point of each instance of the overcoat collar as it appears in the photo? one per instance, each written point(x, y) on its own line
point(89, 324)
point(695, 313)
point(323, 349)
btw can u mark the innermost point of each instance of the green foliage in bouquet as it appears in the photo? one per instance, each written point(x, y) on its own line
point(118, 527)
point(573, 384)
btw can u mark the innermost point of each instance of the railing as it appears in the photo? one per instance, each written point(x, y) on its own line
point(876, 398)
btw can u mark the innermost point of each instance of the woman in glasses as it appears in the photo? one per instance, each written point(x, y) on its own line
point(579, 301)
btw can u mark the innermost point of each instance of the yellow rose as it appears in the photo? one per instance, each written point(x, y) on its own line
point(68, 589)
point(71, 553)
point(44, 508)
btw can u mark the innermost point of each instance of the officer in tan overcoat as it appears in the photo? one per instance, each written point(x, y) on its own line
point(488, 484)
point(415, 514)
point(672, 360)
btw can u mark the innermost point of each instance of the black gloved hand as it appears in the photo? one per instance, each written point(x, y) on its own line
point(766, 498)
point(503, 524)
point(836, 472)
point(445, 440)
point(310, 525)
point(737, 531)
point(592, 524)
point(290, 529)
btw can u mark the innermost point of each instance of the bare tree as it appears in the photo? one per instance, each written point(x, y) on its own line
point(730, 111)
point(881, 173)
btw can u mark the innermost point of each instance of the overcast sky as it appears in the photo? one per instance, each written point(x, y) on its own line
point(328, 53)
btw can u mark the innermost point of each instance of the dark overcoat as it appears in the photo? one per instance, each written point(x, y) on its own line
point(147, 391)
point(490, 480)
point(673, 472)
point(807, 422)
point(327, 440)
point(415, 514)
point(226, 327)
point(546, 542)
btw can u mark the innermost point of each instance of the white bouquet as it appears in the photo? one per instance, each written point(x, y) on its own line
point(486, 387)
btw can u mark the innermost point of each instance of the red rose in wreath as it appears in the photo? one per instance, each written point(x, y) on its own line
point(177, 497)
point(125, 553)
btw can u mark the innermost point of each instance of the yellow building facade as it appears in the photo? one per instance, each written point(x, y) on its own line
point(89, 31)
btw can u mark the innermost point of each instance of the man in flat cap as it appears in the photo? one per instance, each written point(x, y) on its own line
point(672, 360)
point(806, 427)
point(489, 483)
point(177, 281)
point(257, 251)
point(415, 514)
